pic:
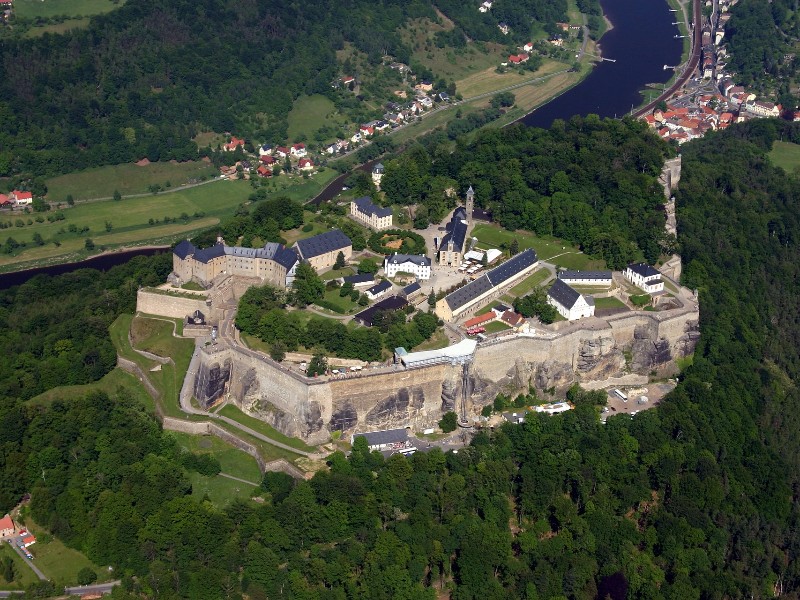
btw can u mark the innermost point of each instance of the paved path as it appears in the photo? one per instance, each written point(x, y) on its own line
point(97, 588)
point(29, 562)
point(253, 483)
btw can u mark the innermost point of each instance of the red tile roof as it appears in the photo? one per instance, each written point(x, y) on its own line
point(480, 319)
point(6, 523)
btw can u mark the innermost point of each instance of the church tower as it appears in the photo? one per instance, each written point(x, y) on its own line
point(470, 204)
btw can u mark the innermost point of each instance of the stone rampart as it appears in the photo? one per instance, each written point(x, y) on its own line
point(635, 343)
point(166, 305)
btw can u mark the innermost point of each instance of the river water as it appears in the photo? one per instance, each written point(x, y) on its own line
point(642, 40)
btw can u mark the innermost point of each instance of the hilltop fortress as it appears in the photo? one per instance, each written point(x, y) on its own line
point(416, 389)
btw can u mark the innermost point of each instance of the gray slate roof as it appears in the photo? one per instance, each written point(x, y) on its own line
point(359, 278)
point(643, 269)
point(563, 294)
point(417, 259)
point(271, 251)
point(380, 287)
point(592, 275)
point(390, 436)
point(323, 243)
point(456, 230)
point(366, 206)
point(512, 267)
point(410, 289)
point(492, 279)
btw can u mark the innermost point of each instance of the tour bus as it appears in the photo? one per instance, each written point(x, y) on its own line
point(620, 395)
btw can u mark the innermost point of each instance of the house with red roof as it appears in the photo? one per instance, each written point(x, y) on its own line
point(5, 201)
point(233, 144)
point(28, 540)
point(516, 59)
point(21, 198)
point(281, 152)
point(528, 47)
point(264, 171)
point(7, 527)
point(367, 131)
point(267, 160)
point(480, 319)
point(298, 150)
point(305, 164)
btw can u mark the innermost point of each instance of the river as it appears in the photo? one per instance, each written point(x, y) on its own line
point(102, 262)
point(642, 40)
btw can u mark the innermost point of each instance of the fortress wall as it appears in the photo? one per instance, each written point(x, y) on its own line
point(168, 306)
point(312, 409)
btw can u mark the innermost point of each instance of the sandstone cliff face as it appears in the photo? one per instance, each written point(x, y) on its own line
point(209, 385)
point(599, 358)
point(552, 374)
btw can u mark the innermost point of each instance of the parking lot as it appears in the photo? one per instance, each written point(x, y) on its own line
point(654, 393)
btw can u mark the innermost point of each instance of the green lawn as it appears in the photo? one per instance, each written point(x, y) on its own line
point(233, 461)
point(344, 305)
point(438, 340)
point(30, 9)
point(110, 384)
point(170, 378)
point(263, 428)
point(101, 182)
point(610, 302)
point(57, 562)
point(496, 326)
point(156, 336)
point(785, 155)
point(308, 114)
point(530, 282)
point(336, 274)
point(548, 249)
point(220, 490)
point(24, 575)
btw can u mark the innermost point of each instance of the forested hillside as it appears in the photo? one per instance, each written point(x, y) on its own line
point(590, 181)
point(760, 35)
point(694, 499)
point(142, 79)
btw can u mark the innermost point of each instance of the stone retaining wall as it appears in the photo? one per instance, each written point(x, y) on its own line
point(168, 306)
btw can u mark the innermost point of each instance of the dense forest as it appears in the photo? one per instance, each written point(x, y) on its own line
point(761, 35)
point(55, 331)
point(143, 79)
point(587, 180)
point(695, 499)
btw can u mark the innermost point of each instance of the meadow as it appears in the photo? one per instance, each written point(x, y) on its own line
point(548, 249)
point(308, 114)
point(128, 178)
point(32, 9)
point(785, 155)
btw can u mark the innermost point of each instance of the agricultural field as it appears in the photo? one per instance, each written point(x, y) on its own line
point(128, 220)
point(548, 249)
point(32, 9)
point(785, 155)
point(490, 80)
point(129, 178)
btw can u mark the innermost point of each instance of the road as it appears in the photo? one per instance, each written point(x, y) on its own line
point(97, 588)
point(29, 562)
point(694, 60)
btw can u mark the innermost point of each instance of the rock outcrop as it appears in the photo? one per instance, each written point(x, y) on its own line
point(209, 385)
point(599, 357)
